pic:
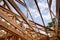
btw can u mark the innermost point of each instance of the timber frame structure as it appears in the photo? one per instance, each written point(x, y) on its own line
point(13, 24)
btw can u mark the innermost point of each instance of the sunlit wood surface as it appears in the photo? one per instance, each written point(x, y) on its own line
point(18, 27)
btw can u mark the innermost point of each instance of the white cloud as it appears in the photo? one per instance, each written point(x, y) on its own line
point(1, 3)
point(54, 6)
point(44, 10)
point(47, 17)
point(34, 12)
point(42, 5)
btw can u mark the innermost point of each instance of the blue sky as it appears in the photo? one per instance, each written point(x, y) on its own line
point(35, 14)
point(33, 9)
point(44, 10)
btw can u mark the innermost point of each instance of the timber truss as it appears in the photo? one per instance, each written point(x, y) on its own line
point(18, 27)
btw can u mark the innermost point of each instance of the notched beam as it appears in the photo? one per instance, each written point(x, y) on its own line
point(19, 1)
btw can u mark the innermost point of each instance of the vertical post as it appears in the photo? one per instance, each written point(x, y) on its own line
point(57, 15)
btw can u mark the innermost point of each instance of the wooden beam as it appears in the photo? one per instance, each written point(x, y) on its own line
point(21, 13)
point(19, 1)
point(39, 11)
point(0, 0)
point(6, 4)
point(4, 25)
point(2, 8)
point(9, 20)
point(10, 12)
point(10, 33)
point(57, 15)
